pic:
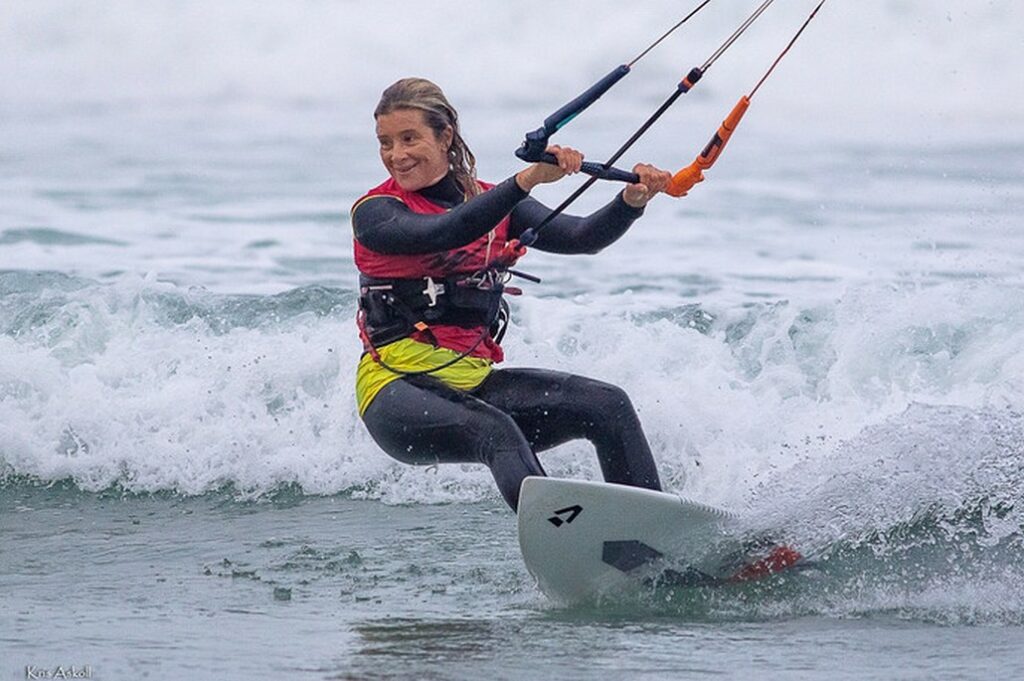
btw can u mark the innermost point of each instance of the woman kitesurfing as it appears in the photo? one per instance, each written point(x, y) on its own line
point(431, 314)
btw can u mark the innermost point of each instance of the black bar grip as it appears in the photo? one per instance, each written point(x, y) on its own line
point(597, 170)
point(613, 174)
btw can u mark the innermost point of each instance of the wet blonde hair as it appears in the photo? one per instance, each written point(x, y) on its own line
point(439, 114)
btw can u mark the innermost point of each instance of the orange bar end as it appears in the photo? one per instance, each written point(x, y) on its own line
point(684, 180)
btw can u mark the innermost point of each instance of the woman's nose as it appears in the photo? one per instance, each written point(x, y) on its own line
point(398, 152)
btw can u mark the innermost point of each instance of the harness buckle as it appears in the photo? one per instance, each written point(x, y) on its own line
point(432, 291)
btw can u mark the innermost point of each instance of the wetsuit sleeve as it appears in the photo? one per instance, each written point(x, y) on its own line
point(386, 225)
point(571, 234)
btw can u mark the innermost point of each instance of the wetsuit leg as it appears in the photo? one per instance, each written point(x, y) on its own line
point(420, 420)
point(552, 407)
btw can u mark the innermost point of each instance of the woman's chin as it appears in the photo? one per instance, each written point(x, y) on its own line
point(409, 185)
point(415, 181)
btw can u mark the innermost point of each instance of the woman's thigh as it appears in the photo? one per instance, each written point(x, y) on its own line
point(553, 407)
point(420, 420)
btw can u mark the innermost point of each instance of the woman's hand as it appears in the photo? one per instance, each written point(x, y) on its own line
point(652, 181)
point(569, 162)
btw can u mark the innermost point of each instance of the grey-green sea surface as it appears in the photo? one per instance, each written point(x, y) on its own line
point(159, 586)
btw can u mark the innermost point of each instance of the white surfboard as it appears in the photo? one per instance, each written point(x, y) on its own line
point(582, 540)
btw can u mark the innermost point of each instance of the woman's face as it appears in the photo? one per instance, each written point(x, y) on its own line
point(412, 154)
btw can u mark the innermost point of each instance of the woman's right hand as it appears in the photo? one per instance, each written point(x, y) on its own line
point(569, 162)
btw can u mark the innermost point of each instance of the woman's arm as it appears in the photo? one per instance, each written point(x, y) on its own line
point(386, 225)
point(569, 234)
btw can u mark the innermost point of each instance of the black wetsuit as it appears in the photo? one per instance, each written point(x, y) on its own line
point(514, 413)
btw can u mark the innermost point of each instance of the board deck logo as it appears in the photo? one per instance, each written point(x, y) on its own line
point(565, 515)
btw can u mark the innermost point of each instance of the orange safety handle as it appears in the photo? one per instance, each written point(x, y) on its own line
point(684, 180)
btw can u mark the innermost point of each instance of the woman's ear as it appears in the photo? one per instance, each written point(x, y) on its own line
point(446, 138)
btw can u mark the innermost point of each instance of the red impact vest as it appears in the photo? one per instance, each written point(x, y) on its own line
point(467, 259)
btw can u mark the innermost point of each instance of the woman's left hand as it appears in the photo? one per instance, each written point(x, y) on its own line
point(652, 181)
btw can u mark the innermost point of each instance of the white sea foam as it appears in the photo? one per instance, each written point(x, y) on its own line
point(152, 387)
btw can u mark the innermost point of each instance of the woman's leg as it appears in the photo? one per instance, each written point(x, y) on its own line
point(552, 407)
point(420, 420)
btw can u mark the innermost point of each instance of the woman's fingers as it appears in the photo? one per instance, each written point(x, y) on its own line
point(652, 181)
point(656, 179)
point(569, 160)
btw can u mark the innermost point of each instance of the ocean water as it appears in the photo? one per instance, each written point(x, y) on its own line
point(826, 336)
